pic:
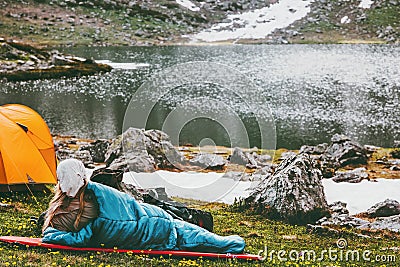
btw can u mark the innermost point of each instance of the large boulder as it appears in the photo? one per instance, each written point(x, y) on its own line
point(128, 152)
point(142, 151)
point(160, 148)
point(343, 151)
point(294, 193)
point(386, 208)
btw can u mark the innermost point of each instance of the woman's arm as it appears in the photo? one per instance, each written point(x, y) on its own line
point(76, 239)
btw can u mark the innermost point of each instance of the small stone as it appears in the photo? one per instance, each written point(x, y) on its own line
point(353, 176)
point(386, 208)
point(4, 206)
point(321, 230)
point(339, 138)
point(391, 223)
point(208, 161)
point(83, 156)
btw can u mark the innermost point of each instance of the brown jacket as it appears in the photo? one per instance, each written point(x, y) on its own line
point(65, 216)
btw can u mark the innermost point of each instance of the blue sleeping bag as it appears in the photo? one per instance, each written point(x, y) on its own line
point(125, 223)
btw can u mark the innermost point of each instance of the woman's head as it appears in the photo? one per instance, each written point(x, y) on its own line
point(71, 175)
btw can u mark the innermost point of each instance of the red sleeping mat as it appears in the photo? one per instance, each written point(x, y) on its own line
point(37, 242)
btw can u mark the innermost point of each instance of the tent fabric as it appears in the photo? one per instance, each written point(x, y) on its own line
point(26, 147)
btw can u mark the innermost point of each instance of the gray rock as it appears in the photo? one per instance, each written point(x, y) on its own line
point(97, 149)
point(339, 207)
point(394, 168)
point(314, 150)
point(263, 173)
point(395, 153)
point(128, 153)
point(386, 208)
point(237, 176)
point(391, 223)
point(81, 155)
point(263, 159)
point(340, 138)
point(208, 161)
point(321, 230)
point(160, 194)
point(134, 191)
point(342, 221)
point(4, 207)
point(286, 155)
point(371, 149)
point(160, 148)
point(226, 20)
point(60, 61)
point(340, 217)
point(133, 162)
point(238, 157)
point(353, 176)
point(242, 158)
point(140, 32)
point(294, 193)
point(340, 153)
point(396, 144)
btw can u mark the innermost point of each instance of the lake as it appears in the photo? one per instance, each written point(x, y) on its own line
point(309, 91)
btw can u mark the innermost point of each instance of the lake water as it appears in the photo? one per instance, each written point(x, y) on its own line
point(312, 91)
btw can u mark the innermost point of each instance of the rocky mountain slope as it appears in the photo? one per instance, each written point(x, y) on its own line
point(146, 22)
point(98, 22)
point(346, 21)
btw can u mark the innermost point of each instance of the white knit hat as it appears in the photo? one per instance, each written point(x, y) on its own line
point(71, 174)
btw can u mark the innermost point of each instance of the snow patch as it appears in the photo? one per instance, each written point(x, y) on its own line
point(210, 186)
point(366, 3)
point(361, 196)
point(123, 66)
point(256, 24)
point(345, 20)
point(214, 186)
point(188, 4)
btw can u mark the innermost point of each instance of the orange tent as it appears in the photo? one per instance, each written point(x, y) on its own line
point(27, 156)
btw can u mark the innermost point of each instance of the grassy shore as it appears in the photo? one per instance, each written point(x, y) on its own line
point(257, 231)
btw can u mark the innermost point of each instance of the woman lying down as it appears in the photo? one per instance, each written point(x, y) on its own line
point(87, 214)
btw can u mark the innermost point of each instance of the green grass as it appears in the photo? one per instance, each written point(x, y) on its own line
point(323, 26)
point(382, 17)
point(258, 233)
point(113, 33)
